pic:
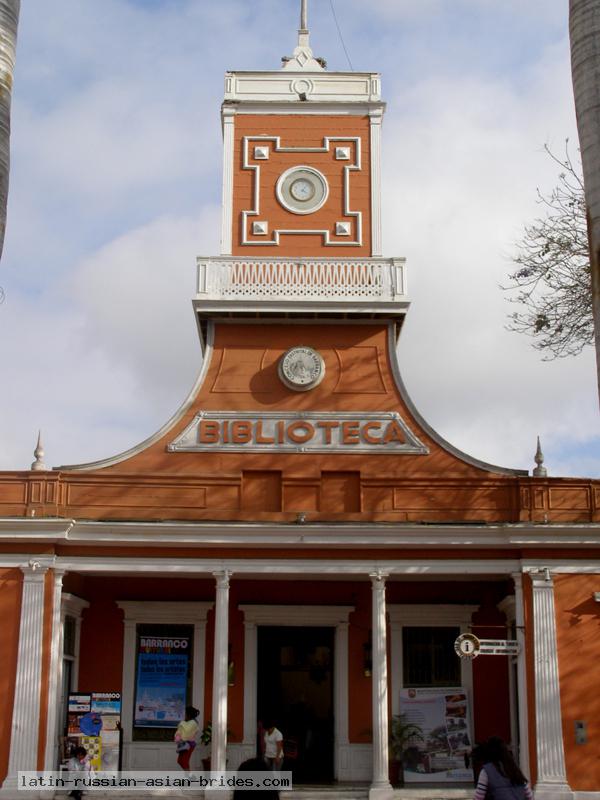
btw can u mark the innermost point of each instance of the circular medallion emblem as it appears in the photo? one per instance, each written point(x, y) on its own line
point(301, 368)
point(467, 645)
point(302, 189)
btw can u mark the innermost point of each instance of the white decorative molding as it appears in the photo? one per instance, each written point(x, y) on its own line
point(260, 228)
point(342, 153)
point(509, 536)
point(380, 788)
point(26, 704)
point(319, 616)
point(342, 229)
point(373, 287)
point(351, 88)
point(146, 755)
point(376, 118)
point(261, 153)
point(152, 565)
point(325, 148)
point(228, 116)
point(551, 769)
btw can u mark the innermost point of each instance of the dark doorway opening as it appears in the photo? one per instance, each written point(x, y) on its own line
point(295, 691)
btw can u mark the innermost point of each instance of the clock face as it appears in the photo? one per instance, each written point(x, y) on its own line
point(302, 190)
point(301, 368)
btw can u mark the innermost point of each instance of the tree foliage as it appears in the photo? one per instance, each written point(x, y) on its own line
point(552, 285)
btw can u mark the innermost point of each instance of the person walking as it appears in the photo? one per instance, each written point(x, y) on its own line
point(500, 777)
point(185, 737)
point(273, 746)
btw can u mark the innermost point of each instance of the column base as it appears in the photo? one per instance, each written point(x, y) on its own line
point(382, 791)
point(553, 791)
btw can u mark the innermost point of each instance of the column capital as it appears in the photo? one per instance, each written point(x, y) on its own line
point(379, 577)
point(541, 578)
point(35, 570)
point(222, 577)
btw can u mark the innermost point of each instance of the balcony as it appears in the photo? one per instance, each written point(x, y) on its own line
point(232, 286)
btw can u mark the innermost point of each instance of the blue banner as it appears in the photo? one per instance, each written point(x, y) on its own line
point(161, 689)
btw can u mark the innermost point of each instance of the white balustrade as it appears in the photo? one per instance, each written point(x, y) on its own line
point(317, 280)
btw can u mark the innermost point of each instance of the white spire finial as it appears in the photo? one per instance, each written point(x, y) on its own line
point(38, 465)
point(303, 59)
point(540, 471)
point(304, 16)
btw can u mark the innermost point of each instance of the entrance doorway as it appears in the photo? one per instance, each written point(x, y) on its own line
point(295, 691)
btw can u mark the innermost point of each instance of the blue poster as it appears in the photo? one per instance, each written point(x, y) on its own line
point(161, 690)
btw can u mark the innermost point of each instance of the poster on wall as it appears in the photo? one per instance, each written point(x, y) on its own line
point(94, 722)
point(443, 718)
point(161, 686)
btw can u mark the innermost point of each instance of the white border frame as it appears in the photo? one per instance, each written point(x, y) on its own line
point(427, 616)
point(279, 189)
point(153, 612)
point(277, 232)
point(319, 616)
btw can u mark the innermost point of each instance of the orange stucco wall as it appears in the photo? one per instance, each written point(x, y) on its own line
point(11, 582)
point(241, 376)
point(301, 131)
point(102, 636)
point(578, 638)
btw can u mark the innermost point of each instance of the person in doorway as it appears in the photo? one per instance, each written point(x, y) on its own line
point(254, 765)
point(79, 762)
point(500, 777)
point(185, 737)
point(273, 746)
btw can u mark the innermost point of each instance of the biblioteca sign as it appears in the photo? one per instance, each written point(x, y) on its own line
point(298, 432)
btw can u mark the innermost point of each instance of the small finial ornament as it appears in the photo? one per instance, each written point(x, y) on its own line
point(38, 465)
point(303, 59)
point(540, 471)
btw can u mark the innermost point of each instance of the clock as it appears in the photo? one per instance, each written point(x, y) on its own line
point(301, 368)
point(302, 190)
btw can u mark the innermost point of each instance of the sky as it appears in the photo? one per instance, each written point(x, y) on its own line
point(116, 188)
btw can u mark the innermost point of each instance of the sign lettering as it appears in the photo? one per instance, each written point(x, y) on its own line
point(324, 432)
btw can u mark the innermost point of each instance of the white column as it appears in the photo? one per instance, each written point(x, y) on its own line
point(128, 690)
point(227, 208)
point(198, 671)
point(381, 788)
point(341, 699)
point(376, 118)
point(55, 674)
point(26, 706)
point(521, 676)
point(219, 699)
point(250, 685)
point(551, 772)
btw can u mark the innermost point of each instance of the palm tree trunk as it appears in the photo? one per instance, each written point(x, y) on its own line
point(9, 18)
point(584, 30)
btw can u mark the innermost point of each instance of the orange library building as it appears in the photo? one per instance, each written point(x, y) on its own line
point(296, 543)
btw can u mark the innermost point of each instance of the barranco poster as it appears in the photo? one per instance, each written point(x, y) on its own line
point(161, 689)
point(442, 715)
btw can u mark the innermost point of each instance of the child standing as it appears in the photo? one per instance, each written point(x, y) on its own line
point(185, 737)
point(79, 762)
